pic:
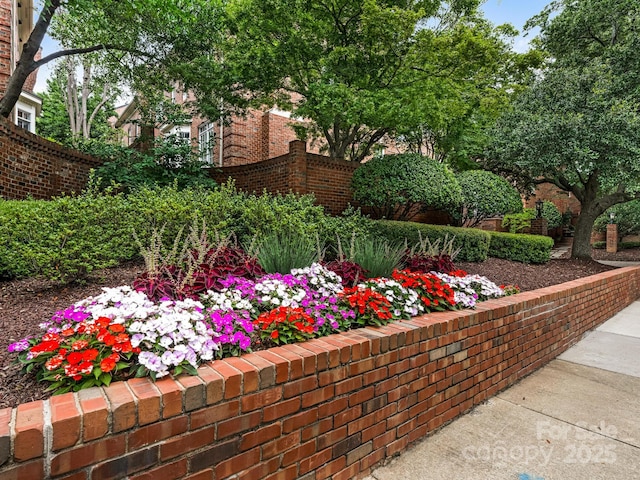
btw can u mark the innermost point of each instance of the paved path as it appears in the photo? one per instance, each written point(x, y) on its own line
point(576, 418)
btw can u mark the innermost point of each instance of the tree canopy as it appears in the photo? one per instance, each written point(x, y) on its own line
point(581, 119)
point(357, 69)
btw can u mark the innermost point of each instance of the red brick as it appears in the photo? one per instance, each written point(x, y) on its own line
point(319, 429)
point(312, 462)
point(176, 446)
point(261, 470)
point(156, 432)
point(238, 424)
point(250, 378)
point(65, 421)
point(123, 406)
point(309, 362)
point(300, 420)
point(29, 431)
point(298, 453)
point(215, 414)
point(260, 436)
point(281, 409)
point(295, 361)
point(213, 384)
point(266, 370)
point(320, 395)
point(276, 447)
point(288, 473)
point(261, 399)
point(232, 378)
point(95, 414)
point(281, 365)
point(88, 454)
point(148, 398)
point(193, 391)
point(237, 464)
point(328, 469)
point(301, 386)
point(171, 397)
point(24, 471)
point(169, 471)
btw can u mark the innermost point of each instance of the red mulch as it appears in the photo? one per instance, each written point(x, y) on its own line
point(26, 303)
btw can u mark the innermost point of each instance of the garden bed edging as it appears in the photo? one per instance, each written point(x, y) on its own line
point(332, 407)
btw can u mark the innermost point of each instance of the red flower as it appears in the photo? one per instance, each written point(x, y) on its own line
point(274, 334)
point(79, 345)
point(107, 364)
point(116, 328)
point(67, 332)
point(45, 346)
point(54, 363)
point(74, 358)
point(90, 355)
point(103, 322)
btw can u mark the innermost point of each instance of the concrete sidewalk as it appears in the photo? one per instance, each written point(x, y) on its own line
point(576, 418)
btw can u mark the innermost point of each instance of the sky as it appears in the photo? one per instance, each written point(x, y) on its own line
point(515, 12)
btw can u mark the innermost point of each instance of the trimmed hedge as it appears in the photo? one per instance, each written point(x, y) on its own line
point(474, 243)
point(66, 238)
point(520, 247)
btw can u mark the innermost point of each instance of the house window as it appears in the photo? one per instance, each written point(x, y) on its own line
point(24, 120)
point(184, 136)
point(205, 142)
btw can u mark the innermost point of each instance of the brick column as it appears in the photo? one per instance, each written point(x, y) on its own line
point(297, 175)
point(539, 226)
point(612, 238)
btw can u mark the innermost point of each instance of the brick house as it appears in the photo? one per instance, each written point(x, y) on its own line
point(16, 23)
point(241, 140)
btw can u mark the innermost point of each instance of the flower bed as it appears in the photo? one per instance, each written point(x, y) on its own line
point(330, 407)
point(122, 333)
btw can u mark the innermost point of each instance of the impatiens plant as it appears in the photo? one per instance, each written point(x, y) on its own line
point(371, 307)
point(77, 356)
point(234, 329)
point(435, 295)
point(405, 302)
point(285, 325)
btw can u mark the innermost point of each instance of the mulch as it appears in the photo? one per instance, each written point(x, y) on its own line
point(27, 302)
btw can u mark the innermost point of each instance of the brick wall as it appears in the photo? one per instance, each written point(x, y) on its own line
point(31, 165)
point(563, 200)
point(328, 408)
point(5, 43)
point(297, 171)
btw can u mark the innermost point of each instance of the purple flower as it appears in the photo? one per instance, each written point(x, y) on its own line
point(19, 346)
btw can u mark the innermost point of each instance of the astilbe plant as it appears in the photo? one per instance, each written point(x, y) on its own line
point(194, 269)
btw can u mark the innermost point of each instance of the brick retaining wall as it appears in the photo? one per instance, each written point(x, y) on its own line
point(33, 166)
point(328, 408)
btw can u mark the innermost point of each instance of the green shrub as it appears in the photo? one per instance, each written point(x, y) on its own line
point(473, 243)
point(65, 238)
point(171, 161)
point(621, 245)
point(599, 245)
point(517, 222)
point(551, 213)
point(486, 195)
point(395, 185)
point(626, 216)
point(520, 247)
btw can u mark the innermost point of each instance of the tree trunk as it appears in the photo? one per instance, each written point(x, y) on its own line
point(27, 63)
point(581, 248)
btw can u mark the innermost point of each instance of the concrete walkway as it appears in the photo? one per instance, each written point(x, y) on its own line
point(576, 418)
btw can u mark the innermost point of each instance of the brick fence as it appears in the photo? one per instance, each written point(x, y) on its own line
point(328, 408)
point(297, 171)
point(33, 166)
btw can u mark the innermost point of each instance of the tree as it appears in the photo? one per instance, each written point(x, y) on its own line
point(399, 186)
point(72, 112)
point(486, 195)
point(357, 69)
point(143, 36)
point(578, 125)
point(570, 129)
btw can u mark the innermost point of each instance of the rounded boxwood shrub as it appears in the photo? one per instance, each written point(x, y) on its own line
point(486, 195)
point(396, 186)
